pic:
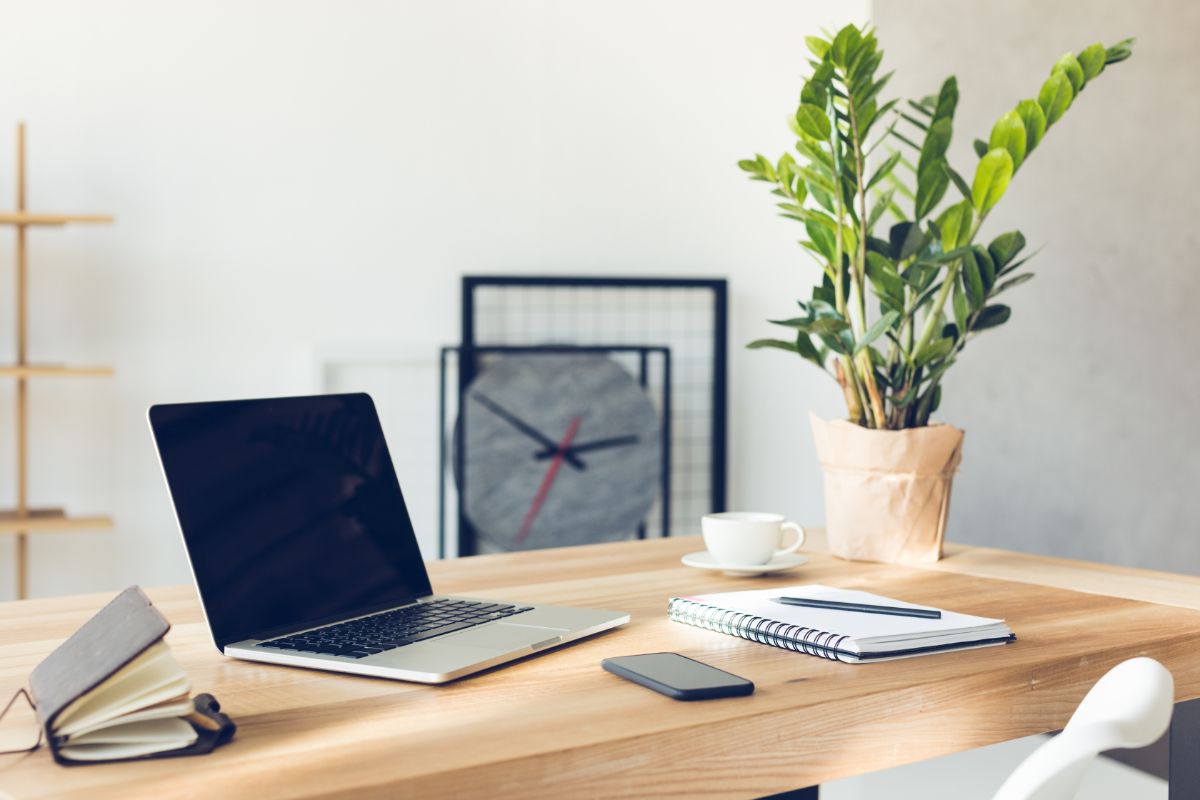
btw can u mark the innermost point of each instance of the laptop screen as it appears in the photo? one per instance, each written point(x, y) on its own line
point(290, 509)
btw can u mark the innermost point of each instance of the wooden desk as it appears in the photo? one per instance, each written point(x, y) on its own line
point(557, 725)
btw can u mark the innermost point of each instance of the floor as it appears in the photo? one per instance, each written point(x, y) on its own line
point(979, 773)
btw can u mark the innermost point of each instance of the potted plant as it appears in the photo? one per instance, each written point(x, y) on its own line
point(867, 181)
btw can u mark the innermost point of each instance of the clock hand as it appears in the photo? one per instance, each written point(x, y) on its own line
point(547, 480)
point(525, 428)
point(595, 444)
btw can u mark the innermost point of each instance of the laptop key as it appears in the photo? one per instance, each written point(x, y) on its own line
point(429, 634)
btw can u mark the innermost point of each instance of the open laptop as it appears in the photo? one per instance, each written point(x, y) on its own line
point(304, 554)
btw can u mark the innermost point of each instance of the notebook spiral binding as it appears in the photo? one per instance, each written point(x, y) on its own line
point(798, 638)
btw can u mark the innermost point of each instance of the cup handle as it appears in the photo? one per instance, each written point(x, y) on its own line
point(800, 537)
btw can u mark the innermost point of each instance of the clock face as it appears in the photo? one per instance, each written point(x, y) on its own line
point(556, 450)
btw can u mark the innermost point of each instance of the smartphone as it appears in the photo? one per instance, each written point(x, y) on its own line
point(678, 676)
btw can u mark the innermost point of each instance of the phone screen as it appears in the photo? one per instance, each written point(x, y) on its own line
point(678, 672)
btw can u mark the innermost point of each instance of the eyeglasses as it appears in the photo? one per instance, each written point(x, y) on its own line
point(22, 732)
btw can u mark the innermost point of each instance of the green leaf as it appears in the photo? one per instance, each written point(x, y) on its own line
point(955, 225)
point(806, 348)
point(1016, 265)
point(778, 344)
point(814, 92)
point(926, 296)
point(921, 108)
point(750, 165)
point(1009, 133)
point(1004, 248)
point(884, 169)
point(800, 323)
point(1072, 69)
point(972, 281)
point(991, 179)
point(963, 188)
point(991, 316)
point(906, 239)
point(883, 200)
point(1055, 96)
point(837, 343)
point(828, 325)
point(817, 46)
point(875, 331)
point(987, 267)
point(887, 283)
point(961, 307)
point(931, 188)
point(936, 350)
point(981, 147)
point(845, 44)
point(1012, 283)
point(1091, 59)
point(768, 168)
point(813, 122)
point(824, 239)
point(1034, 120)
point(937, 141)
point(864, 98)
point(1119, 51)
point(947, 99)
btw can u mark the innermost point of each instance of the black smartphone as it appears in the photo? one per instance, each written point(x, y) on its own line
point(678, 676)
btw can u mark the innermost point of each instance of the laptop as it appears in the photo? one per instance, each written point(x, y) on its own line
point(304, 554)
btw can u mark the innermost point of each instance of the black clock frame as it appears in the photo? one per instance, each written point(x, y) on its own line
point(719, 288)
point(471, 355)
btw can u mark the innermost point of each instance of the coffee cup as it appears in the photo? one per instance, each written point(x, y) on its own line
point(748, 537)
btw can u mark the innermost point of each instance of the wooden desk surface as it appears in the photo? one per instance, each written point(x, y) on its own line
point(557, 725)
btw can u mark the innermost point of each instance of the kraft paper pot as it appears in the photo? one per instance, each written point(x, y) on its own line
point(887, 493)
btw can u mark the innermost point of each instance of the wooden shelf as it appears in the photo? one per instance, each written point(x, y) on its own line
point(30, 520)
point(50, 371)
point(38, 218)
point(41, 520)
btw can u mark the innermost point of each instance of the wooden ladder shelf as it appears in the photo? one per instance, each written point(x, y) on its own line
point(25, 520)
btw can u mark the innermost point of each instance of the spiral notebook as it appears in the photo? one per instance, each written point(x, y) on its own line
point(840, 635)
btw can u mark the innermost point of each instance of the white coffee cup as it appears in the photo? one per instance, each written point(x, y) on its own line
point(748, 537)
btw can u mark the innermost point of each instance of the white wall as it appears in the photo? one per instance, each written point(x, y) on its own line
point(1082, 435)
point(303, 177)
point(289, 176)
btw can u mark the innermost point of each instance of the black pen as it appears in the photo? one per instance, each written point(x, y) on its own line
point(834, 605)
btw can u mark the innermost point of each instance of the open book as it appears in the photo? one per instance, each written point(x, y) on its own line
point(139, 710)
point(841, 635)
point(113, 691)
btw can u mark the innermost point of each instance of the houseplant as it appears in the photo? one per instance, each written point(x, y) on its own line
point(885, 215)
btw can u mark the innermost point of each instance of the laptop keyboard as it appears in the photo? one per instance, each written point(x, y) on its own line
point(377, 633)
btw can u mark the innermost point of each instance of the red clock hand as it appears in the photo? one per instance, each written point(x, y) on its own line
point(548, 479)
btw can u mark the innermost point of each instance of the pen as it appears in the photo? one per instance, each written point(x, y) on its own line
point(834, 605)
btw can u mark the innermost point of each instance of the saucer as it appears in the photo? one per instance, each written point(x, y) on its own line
point(705, 560)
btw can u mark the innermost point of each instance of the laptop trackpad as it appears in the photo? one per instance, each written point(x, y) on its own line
point(505, 637)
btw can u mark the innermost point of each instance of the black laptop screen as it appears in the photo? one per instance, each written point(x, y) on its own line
point(290, 510)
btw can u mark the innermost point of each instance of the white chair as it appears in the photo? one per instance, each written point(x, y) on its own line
point(1129, 707)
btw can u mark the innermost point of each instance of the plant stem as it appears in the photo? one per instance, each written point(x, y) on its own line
point(853, 404)
point(860, 272)
point(931, 317)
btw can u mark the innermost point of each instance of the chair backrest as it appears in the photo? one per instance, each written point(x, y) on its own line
point(1129, 707)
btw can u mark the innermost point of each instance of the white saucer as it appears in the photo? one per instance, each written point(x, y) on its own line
point(705, 560)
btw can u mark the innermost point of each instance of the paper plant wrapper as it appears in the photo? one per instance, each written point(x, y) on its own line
point(887, 493)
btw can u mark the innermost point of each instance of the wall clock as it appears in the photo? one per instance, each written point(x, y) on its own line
point(555, 448)
point(683, 316)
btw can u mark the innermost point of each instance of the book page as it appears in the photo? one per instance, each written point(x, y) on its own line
point(151, 678)
point(131, 740)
